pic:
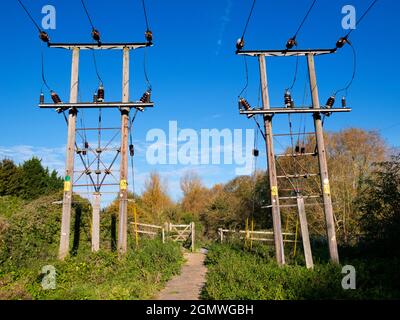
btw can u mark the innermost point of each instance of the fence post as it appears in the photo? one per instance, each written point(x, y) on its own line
point(221, 234)
point(163, 235)
point(193, 236)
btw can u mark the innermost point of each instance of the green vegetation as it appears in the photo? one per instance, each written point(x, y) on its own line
point(29, 238)
point(140, 275)
point(234, 273)
point(28, 181)
point(365, 186)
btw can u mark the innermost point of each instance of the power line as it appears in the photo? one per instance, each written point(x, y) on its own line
point(29, 15)
point(292, 41)
point(87, 14)
point(246, 75)
point(305, 18)
point(362, 17)
point(354, 72)
point(248, 19)
point(145, 69)
point(343, 40)
point(145, 15)
point(43, 74)
point(96, 68)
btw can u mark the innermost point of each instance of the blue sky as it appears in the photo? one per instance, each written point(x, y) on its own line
point(196, 76)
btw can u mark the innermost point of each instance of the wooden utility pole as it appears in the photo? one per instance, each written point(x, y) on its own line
point(304, 232)
point(123, 201)
point(69, 168)
point(330, 224)
point(276, 215)
point(96, 222)
point(73, 106)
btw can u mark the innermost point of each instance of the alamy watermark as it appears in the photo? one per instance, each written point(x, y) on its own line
point(49, 278)
point(349, 280)
point(49, 21)
point(349, 21)
point(204, 147)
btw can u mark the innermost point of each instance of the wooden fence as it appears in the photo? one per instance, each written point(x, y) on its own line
point(262, 236)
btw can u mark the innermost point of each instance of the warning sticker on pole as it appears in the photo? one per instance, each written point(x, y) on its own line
point(274, 191)
point(123, 185)
point(67, 186)
point(327, 188)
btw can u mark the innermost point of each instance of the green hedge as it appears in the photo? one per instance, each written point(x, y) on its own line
point(237, 274)
point(140, 275)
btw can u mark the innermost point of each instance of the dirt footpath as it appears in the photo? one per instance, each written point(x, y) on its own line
point(187, 285)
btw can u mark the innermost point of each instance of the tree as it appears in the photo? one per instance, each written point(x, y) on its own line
point(36, 180)
point(9, 184)
point(155, 200)
point(351, 154)
point(380, 208)
point(196, 196)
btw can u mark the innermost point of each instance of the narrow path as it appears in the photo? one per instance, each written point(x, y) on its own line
point(187, 285)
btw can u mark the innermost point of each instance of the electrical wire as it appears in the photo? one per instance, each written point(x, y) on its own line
point(149, 86)
point(304, 19)
point(362, 17)
point(96, 68)
point(87, 14)
point(248, 19)
point(30, 16)
point(131, 142)
point(346, 88)
point(145, 15)
point(43, 75)
point(295, 73)
point(246, 75)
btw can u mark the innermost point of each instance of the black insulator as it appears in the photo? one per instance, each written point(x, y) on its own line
point(256, 152)
point(146, 97)
point(88, 172)
point(288, 99)
point(96, 35)
point(41, 98)
point(84, 152)
point(78, 151)
point(107, 171)
point(55, 97)
point(291, 43)
point(44, 37)
point(98, 172)
point(100, 94)
point(99, 150)
point(344, 102)
point(303, 150)
point(297, 149)
point(86, 145)
point(341, 42)
point(149, 36)
point(131, 150)
point(246, 105)
point(330, 102)
point(240, 44)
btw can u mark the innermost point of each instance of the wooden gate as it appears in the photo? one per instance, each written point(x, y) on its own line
point(182, 233)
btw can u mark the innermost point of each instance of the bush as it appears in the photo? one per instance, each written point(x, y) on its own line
point(236, 274)
point(140, 275)
point(33, 232)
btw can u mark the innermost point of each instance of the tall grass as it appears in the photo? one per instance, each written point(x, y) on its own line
point(101, 276)
point(237, 274)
